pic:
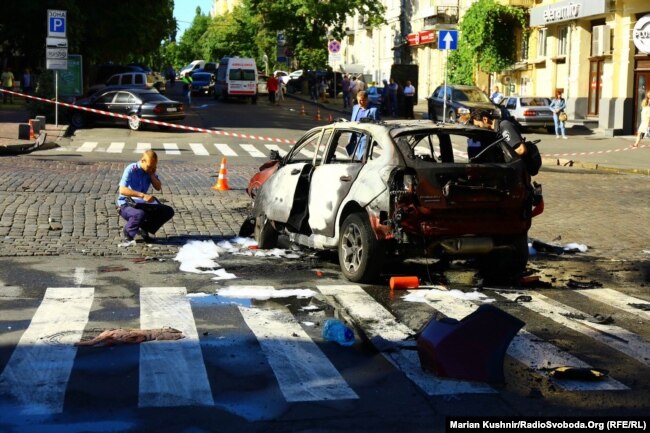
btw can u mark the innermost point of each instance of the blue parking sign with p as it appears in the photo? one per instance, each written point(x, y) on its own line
point(56, 23)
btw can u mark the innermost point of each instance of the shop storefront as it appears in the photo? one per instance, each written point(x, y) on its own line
point(641, 39)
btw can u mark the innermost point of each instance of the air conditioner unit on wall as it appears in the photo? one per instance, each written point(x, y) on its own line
point(600, 41)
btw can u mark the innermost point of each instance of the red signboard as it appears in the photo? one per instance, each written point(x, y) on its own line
point(424, 37)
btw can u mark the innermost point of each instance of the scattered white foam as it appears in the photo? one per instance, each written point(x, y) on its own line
point(576, 247)
point(222, 274)
point(196, 257)
point(422, 295)
point(263, 293)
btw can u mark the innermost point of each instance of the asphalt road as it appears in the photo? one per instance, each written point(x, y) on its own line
point(253, 358)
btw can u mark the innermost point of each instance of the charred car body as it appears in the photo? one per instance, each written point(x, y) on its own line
point(395, 190)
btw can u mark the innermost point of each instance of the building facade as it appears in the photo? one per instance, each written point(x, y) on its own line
point(584, 47)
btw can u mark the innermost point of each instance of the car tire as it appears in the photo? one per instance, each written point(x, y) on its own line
point(78, 120)
point(505, 263)
point(360, 253)
point(134, 122)
point(265, 234)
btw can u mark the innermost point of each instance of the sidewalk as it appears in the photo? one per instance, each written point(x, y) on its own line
point(585, 148)
point(11, 144)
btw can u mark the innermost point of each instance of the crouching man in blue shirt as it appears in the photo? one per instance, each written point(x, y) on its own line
point(143, 213)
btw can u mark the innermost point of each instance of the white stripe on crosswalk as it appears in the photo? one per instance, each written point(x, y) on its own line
point(525, 347)
point(172, 373)
point(88, 146)
point(225, 149)
point(199, 149)
point(616, 337)
point(115, 147)
point(39, 368)
point(303, 372)
point(142, 147)
point(307, 153)
point(276, 147)
point(618, 300)
point(252, 151)
point(171, 149)
point(382, 327)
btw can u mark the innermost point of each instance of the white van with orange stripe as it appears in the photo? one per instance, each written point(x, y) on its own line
point(236, 78)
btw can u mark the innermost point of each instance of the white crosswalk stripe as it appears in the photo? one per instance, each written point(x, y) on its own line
point(613, 336)
point(383, 328)
point(88, 146)
point(171, 373)
point(225, 149)
point(619, 300)
point(142, 148)
point(252, 151)
point(171, 149)
point(115, 147)
point(277, 148)
point(199, 149)
point(39, 368)
point(525, 347)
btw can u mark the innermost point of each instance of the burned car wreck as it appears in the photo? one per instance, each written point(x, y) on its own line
point(398, 189)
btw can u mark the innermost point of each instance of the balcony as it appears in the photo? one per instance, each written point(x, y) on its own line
point(443, 16)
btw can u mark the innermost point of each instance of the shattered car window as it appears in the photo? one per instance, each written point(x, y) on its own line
point(306, 151)
point(320, 159)
point(349, 146)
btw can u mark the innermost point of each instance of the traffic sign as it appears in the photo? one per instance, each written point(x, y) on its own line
point(448, 40)
point(56, 23)
point(334, 46)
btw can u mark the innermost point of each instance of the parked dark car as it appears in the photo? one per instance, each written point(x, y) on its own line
point(203, 83)
point(407, 193)
point(132, 102)
point(460, 101)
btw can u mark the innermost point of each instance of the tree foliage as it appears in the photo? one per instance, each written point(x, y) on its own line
point(486, 40)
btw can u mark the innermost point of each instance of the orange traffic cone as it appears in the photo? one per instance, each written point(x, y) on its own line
point(302, 110)
point(32, 136)
point(222, 181)
point(317, 114)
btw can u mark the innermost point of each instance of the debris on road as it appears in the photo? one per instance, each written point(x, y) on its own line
point(110, 337)
point(543, 247)
point(573, 284)
point(577, 373)
point(112, 269)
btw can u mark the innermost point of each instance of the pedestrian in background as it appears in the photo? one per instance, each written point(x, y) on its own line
point(143, 213)
point(171, 75)
point(313, 86)
point(281, 89)
point(362, 110)
point(409, 100)
point(558, 105)
point(323, 88)
point(393, 90)
point(26, 83)
point(345, 87)
point(187, 88)
point(496, 96)
point(7, 80)
point(384, 97)
point(644, 126)
point(353, 90)
point(272, 88)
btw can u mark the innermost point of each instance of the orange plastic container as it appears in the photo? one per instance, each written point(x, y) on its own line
point(401, 283)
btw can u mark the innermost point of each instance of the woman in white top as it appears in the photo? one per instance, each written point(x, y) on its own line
point(644, 126)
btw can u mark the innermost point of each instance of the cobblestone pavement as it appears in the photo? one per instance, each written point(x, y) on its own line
point(68, 207)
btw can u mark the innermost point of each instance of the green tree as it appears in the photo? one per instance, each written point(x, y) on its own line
point(189, 46)
point(486, 40)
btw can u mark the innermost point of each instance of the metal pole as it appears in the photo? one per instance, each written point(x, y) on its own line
point(334, 84)
point(56, 98)
point(444, 97)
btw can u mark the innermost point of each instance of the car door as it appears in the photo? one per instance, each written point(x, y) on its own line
point(287, 190)
point(124, 103)
point(104, 103)
point(334, 174)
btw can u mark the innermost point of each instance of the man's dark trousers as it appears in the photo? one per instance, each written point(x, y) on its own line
point(149, 217)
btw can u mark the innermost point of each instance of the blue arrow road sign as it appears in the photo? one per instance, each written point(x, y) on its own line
point(448, 40)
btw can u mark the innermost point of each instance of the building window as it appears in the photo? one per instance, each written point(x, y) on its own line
point(523, 46)
point(541, 43)
point(562, 41)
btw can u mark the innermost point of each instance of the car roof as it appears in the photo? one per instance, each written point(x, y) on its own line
point(401, 127)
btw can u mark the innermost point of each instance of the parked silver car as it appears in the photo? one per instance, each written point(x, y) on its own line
point(394, 189)
point(530, 111)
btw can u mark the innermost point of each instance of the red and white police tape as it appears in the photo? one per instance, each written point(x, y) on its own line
point(156, 122)
point(266, 139)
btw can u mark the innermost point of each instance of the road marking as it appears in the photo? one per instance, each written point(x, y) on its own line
point(303, 371)
point(276, 147)
point(142, 147)
point(525, 347)
point(252, 151)
point(88, 146)
point(39, 368)
point(199, 149)
point(115, 147)
point(225, 149)
point(618, 300)
point(172, 373)
point(615, 337)
point(171, 149)
point(307, 153)
point(381, 327)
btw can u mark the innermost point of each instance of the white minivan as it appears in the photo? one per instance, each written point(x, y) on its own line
point(236, 78)
point(196, 64)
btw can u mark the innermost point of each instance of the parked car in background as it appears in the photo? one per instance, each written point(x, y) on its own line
point(261, 84)
point(196, 64)
point(392, 190)
point(375, 97)
point(236, 78)
point(125, 79)
point(282, 76)
point(530, 111)
point(136, 103)
point(158, 80)
point(203, 83)
point(460, 101)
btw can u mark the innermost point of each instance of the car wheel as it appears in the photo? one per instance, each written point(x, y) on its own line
point(265, 234)
point(360, 254)
point(505, 263)
point(134, 122)
point(78, 120)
